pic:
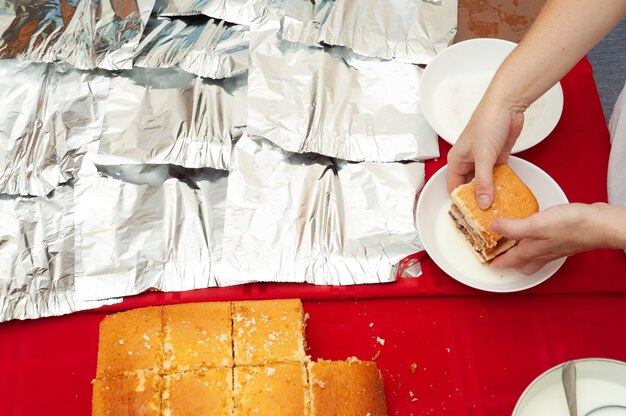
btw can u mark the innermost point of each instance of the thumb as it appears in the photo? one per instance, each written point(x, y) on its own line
point(483, 182)
point(512, 229)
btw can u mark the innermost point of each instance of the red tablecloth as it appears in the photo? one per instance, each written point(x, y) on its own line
point(475, 352)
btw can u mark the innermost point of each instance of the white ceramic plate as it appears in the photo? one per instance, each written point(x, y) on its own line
point(451, 252)
point(599, 383)
point(456, 79)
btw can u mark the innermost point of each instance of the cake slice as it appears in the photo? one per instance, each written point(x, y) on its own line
point(512, 199)
point(273, 390)
point(134, 394)
point(197, 335)
point(268, 331)
point(346, 388)
point(129, 341)
point(204, 392)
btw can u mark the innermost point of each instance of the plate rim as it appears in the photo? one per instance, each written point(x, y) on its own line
point(464, 43)
point(557, 367)
point(420, 202)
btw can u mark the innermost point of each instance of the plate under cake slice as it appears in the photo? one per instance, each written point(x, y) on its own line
point(346, 388)
point(274, 390)
point(133, 394)
point(268, 331)
point(129, 341)
point(197, 335)
point(204, 392)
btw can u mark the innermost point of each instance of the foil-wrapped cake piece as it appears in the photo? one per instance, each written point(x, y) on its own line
point(409, 31)
point(333, 102)
point(49, 111)
point(160, 227)
point(37, 256)
point(85, 33)
point(309, 218)
point(234, 11)
point(172, 117)
point(205, 47)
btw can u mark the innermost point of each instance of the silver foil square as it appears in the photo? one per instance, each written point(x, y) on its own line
point(37, 256)
point(49, 111)
point(160, 228)
point(172, 117)
point(85, 33)
point(409, 31)
point(208, 48)
point(234, 11)
point(309, 218)
point(333, 102)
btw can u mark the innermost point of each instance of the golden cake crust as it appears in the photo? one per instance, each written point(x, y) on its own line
point(346, 388)
point(203, 392)
point(512, 199)
point(134, 394)
point(197, 335)
point(268, 331)
point(274, 390)
point(131, 340)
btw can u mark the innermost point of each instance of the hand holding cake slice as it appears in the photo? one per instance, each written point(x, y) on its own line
point(512, 199)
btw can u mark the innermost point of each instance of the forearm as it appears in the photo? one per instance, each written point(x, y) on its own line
point(563, 33)
point(607, 225)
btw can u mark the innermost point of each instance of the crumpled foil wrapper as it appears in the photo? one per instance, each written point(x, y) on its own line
point(171, 117)
point(409, 31)
point(208, 48)
point(241, 12)
point(37, 256)
point(85, 33)
point(49, 111)
point(161, 227)
point(333, 102)
point(309, 218)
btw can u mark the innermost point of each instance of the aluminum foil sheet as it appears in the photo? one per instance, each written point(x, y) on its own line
point(409, 31)
point(37, 256)
point(209, 48)
point(86, 33)
point(333, 102)
point(234, 11)
point(309, 218)
point(49, 111)
point(148, 227)
point(172, 117)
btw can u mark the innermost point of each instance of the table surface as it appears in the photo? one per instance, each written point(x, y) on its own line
point(474, 352)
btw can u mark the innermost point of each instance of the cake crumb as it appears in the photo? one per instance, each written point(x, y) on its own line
point(121, 341)
point(269, 371)
point(319, 383)
point(371, 324)
point(380, 341)
point(413, 368)
point(376, 356)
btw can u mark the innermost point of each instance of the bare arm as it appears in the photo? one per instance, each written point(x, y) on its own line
point(563, 33)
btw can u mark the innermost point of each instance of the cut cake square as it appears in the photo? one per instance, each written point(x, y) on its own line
point(133, 394)
point(129, 341)
point(197, 335)
point(346, 388)
point(274, 390)
point(204, 392)
point(268, 331)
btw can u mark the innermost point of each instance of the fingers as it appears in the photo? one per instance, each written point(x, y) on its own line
point(515, 229)
point(483, 181)
point(520, 258)
point(455, 180)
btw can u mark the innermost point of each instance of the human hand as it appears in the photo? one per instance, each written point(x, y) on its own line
point(557, 232)
point(486, 141)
